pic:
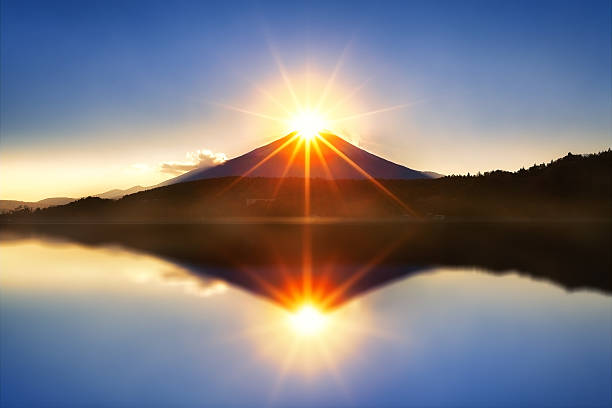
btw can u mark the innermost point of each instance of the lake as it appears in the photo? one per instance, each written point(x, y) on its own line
point(395, 314)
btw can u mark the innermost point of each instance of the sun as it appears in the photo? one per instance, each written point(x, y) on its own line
point(308, 320)
point(308, 124)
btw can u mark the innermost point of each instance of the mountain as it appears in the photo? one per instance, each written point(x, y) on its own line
point(433, 174)
point(116, 193)
point(330, 147)
point(9, 205)
point(575, 187)
point(334, 166)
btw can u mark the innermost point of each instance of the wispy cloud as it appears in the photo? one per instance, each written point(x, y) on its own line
point(191, 284)
point(198, 159)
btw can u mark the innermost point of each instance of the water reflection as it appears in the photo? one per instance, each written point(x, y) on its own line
point(330, 264)
point(71, 304)
point(105, 316)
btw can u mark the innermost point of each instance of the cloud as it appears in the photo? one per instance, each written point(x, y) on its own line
point(195, 285)
point(140, 167)
point(189, 283)
point(136, 169)
point(195, 160)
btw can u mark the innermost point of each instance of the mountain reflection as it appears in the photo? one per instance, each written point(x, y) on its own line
point(329, 264)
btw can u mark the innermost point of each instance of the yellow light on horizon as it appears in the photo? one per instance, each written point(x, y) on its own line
point(308, 124)
point(308, 320)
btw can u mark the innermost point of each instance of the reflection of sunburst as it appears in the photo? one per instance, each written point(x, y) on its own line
point(307, 342)
point(316, 328)
point(308, 320)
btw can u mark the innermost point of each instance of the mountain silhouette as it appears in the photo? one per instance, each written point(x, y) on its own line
point(9, 205)
point(575, 187)
point(325, 162)
point(116, 193)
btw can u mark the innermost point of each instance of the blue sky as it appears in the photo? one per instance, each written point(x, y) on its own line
point(99, 87)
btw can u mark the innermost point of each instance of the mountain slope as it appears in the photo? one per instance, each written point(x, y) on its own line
point(433, 174)
point(116, 193)
point(333, 166)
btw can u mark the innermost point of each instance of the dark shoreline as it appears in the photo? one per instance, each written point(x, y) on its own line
point(272, 220)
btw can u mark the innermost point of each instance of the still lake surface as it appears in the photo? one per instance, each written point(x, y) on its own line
point(99, 318)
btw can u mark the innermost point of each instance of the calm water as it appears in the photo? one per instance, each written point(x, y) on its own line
point(109, 325)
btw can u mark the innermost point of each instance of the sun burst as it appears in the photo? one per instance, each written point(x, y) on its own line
point(311, 124)
point(308, 124)
point(293, 106)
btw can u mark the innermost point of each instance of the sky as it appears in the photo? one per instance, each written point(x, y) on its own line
point(101, 95)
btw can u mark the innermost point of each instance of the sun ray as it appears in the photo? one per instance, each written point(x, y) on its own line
point(287, 362)
point(307, 178)
point(292, 137)
point(307, 249)
point(306, 262)
point(346, 285)
point(331, 367)
point(321, 158)
point(367, 175)
point(322, 283)
point(333, 75)
point(248, 112)
point(249, 332)
point(275, 293)
point(291, 286)
point(348, 96)
point(263, 331)
point(284, 75)
point(326, 169)
point(308, 86)
point(287, 167)
point(372, 112)
point(290, 283)
point(271, 97)
point(371, 331)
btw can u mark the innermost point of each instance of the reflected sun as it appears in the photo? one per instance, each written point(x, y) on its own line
point(308, 320)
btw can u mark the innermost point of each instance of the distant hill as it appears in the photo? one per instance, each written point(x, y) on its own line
point(325, 163)
point(433, 174)
point(8, 205)
point(573, 187)
point(117, 193)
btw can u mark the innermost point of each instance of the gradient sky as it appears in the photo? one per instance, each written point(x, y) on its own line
point(96, 95)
